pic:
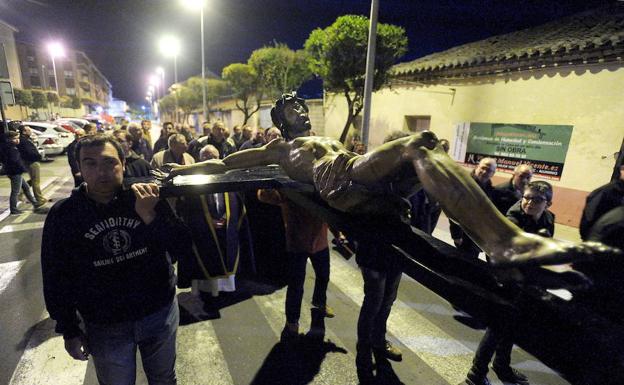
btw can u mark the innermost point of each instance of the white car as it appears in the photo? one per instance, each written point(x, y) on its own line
point(53, 138)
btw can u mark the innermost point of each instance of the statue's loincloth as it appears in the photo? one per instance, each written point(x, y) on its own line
point(333, 180)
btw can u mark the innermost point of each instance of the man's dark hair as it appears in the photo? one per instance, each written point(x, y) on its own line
point(277, 112)
point(88, 127)
point(98, 140)
point(21, 128)
point(12, 135)
point(165, 124)
point(543, 188)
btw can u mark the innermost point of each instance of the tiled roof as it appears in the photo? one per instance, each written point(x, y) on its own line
point(592, 36)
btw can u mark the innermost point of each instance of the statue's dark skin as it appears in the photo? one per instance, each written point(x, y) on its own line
point(441, 176)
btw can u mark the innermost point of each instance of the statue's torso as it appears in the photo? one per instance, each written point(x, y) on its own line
point(305, 152)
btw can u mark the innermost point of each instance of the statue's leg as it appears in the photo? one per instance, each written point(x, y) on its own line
point(386, 160)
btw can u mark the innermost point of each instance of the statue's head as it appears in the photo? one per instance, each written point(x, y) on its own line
point(290, 115)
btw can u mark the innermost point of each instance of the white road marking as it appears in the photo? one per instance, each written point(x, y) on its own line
point(8, 271)
point(21, 227)
point(444, 354)
point(199, 356)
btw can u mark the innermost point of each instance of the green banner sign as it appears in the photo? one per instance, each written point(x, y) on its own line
point(542, 146)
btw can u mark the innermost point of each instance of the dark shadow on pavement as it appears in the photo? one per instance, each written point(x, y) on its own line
point(296, 362)
point(37, 334)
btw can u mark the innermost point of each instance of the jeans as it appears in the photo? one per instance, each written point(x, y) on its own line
point(380, 292)
point(296, 277)
point(114, 346)
point(18, 182)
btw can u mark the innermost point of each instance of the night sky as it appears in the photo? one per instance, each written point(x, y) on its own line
point(121, 36)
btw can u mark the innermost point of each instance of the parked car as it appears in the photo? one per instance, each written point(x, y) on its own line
point(77, 121)
point(53, 138)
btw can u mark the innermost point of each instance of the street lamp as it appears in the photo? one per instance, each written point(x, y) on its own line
point(194, 4)
point(55, 49)
point(170, 47)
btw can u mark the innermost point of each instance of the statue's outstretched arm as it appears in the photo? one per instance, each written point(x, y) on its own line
point(268, 154)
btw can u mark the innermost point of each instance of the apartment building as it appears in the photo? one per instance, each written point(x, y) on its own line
point(75, 72)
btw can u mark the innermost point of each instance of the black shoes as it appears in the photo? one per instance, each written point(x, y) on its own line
point(389, 351)
point(475, 379)
point(16, 212)
point(509, 374)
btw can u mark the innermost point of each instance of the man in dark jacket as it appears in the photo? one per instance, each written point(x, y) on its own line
point(600, 201)
point(104, 255)
point(140, 145)
point(508, 193)
point(14, 168)
point(162, 143)
point(531, 214)
point(482, 174)
point(71, 157)
point(136, 166)
point(31, 157)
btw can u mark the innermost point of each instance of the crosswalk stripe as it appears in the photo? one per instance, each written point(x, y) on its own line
point(338, 370)
point(199, 356)
point(21, 227)
point(45, 361)
point(448, 357)
point(8, 271)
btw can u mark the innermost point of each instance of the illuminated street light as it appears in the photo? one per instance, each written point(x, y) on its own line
point(200, 4)
point(55, 49)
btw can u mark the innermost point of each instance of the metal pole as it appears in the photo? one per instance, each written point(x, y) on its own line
point(370, 70)
point(43, 79)
point(175, 83)
point(203, 65)
point(54, 69)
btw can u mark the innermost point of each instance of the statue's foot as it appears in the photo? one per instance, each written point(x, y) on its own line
point(534, 250)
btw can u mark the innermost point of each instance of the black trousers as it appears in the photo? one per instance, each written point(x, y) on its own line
point(296, 278)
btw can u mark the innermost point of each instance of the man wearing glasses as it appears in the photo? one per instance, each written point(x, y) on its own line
point(531, 214)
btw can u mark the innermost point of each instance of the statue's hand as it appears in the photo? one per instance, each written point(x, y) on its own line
point(168, 171)
point(531, 249)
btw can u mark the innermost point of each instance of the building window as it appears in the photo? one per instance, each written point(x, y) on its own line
point(4, 67)
point(70, 91)
point(51, 82)
point(33, 71)
point(417, 123)
point(51, 71)
point(69, 74)
point(69, 83)
point(35, 81)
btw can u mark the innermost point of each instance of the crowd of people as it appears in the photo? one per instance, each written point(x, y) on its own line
point(132, 238)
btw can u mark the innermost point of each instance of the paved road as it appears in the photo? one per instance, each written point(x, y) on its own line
point(240, 346)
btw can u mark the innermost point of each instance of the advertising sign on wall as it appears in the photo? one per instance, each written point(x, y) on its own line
point(544, 147)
